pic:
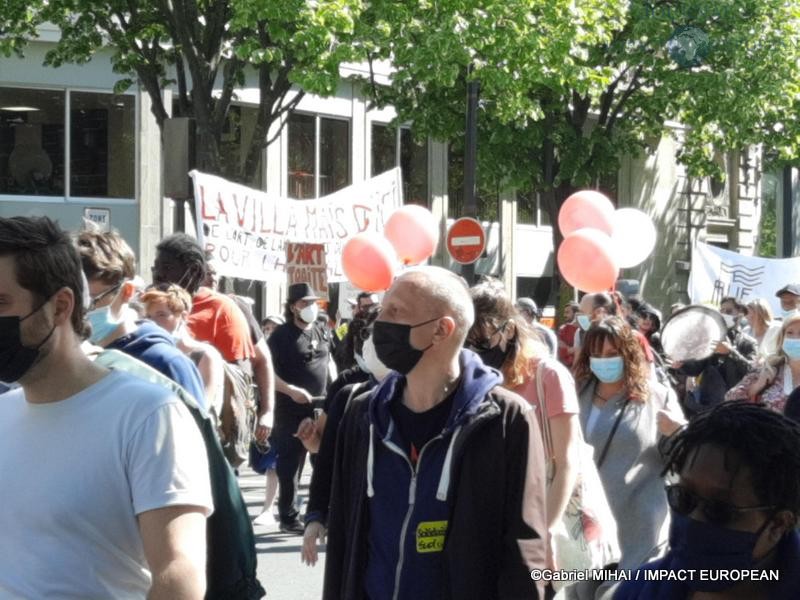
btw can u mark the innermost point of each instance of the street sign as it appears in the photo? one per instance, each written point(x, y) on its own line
point(466, 240)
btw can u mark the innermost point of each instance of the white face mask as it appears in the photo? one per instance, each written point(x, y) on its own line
point(309, 313)
point(372, 363)
point(730, 320)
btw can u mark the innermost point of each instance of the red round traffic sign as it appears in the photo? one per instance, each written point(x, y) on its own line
point(466, 240)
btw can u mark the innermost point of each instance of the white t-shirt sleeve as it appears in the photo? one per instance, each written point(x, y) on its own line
point(167, 462)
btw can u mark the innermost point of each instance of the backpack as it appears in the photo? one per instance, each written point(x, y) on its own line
point(237, 418)
point(231, 548)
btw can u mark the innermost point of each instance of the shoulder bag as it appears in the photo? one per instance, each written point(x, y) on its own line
point(586, 535)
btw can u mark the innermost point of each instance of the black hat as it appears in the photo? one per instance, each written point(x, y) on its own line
point(792, 288)
point(301, 291)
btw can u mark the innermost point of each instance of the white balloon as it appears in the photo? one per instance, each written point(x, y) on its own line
point(634, 237)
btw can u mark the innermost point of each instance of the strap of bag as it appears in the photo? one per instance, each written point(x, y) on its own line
point(604, 453)
point(547, 436)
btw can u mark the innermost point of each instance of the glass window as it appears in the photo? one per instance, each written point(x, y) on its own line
point(102, 145)
point(526, 208)
point(384, 148)
point(31, 142)
point(302, 136)
point(334, 155)
point(414, 163)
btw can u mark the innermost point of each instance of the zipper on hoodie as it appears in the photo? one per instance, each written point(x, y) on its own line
point(412, 493)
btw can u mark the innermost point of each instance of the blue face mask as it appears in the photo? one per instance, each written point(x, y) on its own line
point(585, 322)
point(607, 370)
point(102, 323)
point(706, 546)
point(791, 346)
point(788, 313)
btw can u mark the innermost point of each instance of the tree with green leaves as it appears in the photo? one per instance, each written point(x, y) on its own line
point(568, 89)
point(205, 50)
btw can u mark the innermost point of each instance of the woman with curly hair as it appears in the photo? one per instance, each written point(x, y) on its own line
point(780, 374)
point(504, 340)
point(623, 412)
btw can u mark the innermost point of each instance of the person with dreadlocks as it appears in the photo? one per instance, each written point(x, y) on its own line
point(734, 508)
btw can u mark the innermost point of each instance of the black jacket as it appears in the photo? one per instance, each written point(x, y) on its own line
point(496, 504)
point(720, 372)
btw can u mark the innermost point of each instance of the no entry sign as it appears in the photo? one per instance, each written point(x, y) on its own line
point(466, 240)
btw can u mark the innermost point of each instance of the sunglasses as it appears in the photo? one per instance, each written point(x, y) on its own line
point(485, 344)
point(684, 502)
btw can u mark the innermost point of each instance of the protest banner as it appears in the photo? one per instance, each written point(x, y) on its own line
point(717, 273)
point(305, 263)
point(247, 230)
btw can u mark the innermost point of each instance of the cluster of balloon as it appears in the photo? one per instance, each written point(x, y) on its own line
point(599, 240)
point(371, 260)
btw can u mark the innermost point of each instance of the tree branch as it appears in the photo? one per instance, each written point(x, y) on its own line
point(635, 84)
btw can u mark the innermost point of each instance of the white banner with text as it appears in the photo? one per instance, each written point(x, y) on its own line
point(717, 273)
point(247, 230)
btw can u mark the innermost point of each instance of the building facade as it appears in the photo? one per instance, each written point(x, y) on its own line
point(71, 149)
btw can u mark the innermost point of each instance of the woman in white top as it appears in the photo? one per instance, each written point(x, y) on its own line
point(762, 327)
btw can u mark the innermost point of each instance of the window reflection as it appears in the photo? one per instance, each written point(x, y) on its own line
point(384, 148)
point(102, 145)
point(302, 136)
point(334, 155)
point(31, 142)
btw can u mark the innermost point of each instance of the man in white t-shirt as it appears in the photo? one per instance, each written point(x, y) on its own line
point(104, 476)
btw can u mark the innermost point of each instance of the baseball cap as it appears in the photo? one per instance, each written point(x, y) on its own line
point(792, 288)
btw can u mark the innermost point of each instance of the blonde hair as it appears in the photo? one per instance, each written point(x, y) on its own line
point(779, 359)
point(175, 297)
point(761, 310)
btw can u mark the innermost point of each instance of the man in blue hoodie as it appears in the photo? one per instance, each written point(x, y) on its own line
point(734, 510)
point(110, 266)
point(439, 483)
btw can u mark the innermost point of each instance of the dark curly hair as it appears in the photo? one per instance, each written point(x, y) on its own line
point(623, 338)
point(751, 436)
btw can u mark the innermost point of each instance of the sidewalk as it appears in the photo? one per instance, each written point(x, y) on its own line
point(279, 568)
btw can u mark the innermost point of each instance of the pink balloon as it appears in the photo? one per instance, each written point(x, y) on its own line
point(414, 233)
point(368, 262)
point(586, 260)
point(586, 208)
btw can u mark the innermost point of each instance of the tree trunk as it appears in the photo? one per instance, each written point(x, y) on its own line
point(560, 291)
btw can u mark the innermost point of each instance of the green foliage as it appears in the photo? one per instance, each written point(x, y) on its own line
point(205, 49)
point(580, 85)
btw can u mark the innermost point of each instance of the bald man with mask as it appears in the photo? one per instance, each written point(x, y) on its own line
point(438, 467)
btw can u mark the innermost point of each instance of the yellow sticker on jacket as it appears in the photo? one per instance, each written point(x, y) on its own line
point(430, 536)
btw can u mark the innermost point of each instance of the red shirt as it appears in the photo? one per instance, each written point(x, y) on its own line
point(566, 335)
point(216, 319)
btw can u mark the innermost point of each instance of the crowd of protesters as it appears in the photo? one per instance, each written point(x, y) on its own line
point(459, 446)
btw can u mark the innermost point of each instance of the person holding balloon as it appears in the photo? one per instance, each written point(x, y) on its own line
point(624, 413)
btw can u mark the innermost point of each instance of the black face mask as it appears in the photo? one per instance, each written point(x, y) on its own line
point(393, 345)
point(15, 358)
point(494, 356)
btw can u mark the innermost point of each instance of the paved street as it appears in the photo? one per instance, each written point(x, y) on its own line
point(279, 567)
